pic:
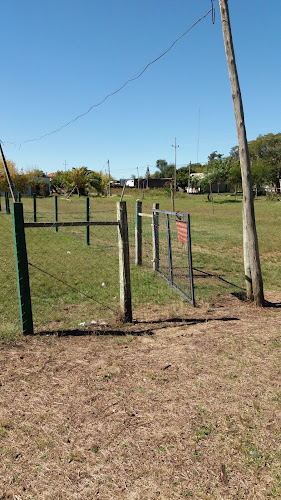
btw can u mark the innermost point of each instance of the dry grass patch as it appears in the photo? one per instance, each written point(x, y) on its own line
point(167, 409)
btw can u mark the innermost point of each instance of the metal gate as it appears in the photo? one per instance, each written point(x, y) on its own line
point(171, 248)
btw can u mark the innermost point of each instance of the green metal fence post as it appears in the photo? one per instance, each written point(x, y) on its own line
point(34, 208)
point(22, 270)
point(7, 203)
point(138, 233)
point(56, 212)
point(87, 219)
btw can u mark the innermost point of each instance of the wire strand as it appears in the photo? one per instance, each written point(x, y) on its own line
point(123, 85)
point(70, 286)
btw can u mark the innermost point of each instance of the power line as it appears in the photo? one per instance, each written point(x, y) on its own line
point(122, 86)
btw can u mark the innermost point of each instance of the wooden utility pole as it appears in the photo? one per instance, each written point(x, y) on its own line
point(253, 276)
point(175, 167)
point(124, 263)
point(109, 190)
point(10, 183)
point(147, 176)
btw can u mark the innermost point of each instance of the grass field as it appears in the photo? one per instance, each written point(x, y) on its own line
point(183, 403)
point(69, 265)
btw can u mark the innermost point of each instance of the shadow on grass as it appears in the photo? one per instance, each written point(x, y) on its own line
point(205, 274)
point(133, 329)
point(220, 202)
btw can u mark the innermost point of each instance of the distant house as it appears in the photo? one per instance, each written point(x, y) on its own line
point(128, 182)
point(150, 183)
point(193, 188)
point(51, 176)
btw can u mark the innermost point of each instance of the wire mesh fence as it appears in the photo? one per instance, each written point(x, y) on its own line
point(73, 269)
point(9, 314)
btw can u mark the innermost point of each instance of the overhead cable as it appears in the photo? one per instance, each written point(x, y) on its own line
point(122, 86)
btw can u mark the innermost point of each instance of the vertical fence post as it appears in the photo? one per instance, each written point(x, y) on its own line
point(0, 202)
point(7, 203)
point(19, 197)
point(155, 237)
point(170, 250)
point(56, 212)
point(87, 219)
point(22, 270)
point(124, 263)
point(190, 259)
point(138, 233)
point(34, 208)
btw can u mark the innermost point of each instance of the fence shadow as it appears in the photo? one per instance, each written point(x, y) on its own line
point(96, 333)
point(276, 305)
point(134, 329)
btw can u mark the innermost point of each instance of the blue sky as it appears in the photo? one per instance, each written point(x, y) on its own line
point(60, 57)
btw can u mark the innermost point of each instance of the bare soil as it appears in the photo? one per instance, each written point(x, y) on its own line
point(169, 408)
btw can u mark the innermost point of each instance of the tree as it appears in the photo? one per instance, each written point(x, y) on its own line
point(19, 179)
point(98, 181)
point(58, 182)
point(77, 178)
point(216, 171)
point(36, 180)
point(265, 155)
point(183, 174)
point(234, 175)
point(214, 156)
point(234, 153)
point(166, 170)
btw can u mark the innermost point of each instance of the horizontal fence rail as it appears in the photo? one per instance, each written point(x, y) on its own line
point(70, 224)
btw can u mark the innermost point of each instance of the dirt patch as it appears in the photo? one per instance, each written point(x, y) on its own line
point(172, 407)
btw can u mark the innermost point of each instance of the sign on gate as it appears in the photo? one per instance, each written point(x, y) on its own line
point(182, 234)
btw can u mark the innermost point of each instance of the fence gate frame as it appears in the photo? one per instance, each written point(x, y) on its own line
point(184, 235)
point(21, 257)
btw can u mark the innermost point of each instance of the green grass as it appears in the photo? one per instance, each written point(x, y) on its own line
point(69, 265)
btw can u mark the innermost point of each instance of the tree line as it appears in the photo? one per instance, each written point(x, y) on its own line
point(79, 180)
point(265, 156)
point(33, 177)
